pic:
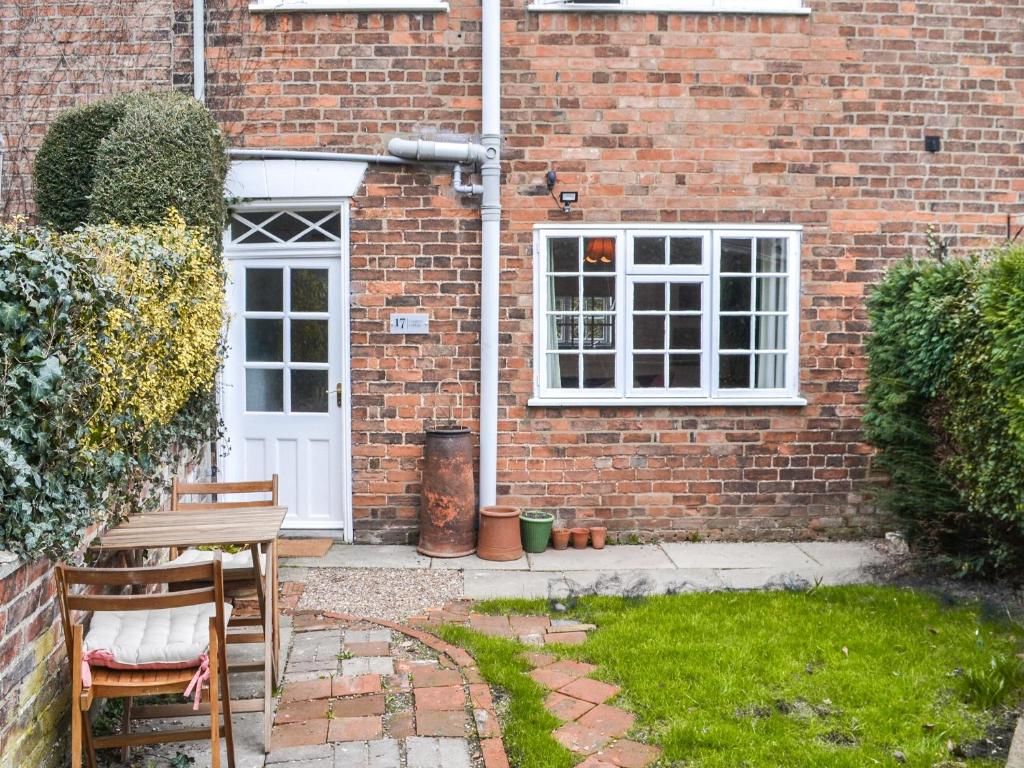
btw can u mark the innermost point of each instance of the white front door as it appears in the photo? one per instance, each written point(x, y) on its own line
point(285, 380)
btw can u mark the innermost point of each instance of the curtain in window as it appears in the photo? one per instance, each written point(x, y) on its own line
point(770, 369)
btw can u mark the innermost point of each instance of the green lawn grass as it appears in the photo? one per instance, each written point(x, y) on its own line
point(846, 677)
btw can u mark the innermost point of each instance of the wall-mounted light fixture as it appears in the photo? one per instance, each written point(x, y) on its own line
point(932, 143)
point(564, 199)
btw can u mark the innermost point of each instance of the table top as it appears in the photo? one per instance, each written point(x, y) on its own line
point(195, 528)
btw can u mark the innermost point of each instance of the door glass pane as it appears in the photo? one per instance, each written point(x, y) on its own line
point(684, 371)
point(309, 391)
point(734, 332)
point(686, 251)
point(771, 254)
point(563, 371)
point(648, 332)
point(648, 296)
point(263, 390)
point(736, 255)
point(685, 297)
point(648, 371)
point(309, 341)
point(264, 340)
point(734, 371)
point(648, 250)
point(684, 332)
point(599, 254)
point(564, 254)
point(309, 290)
point(599, 371)
point(263, 291)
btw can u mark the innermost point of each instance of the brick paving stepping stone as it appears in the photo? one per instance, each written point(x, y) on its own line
point(611, 721)
point(371, 694)
point(593, 691)
point(566, 708)
point(579, 739)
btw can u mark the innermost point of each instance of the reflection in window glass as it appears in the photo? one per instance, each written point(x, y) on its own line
point(263, 290)
point(263, 390)
point(309, 290)
point(309, 391)
point(264, 340)
point(309, 341)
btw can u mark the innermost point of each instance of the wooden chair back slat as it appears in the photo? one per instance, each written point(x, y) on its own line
point(131, 577)
point(180, 491)
point(147, 602)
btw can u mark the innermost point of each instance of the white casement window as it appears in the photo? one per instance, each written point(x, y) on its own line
point(666, 315)
point(679, 6)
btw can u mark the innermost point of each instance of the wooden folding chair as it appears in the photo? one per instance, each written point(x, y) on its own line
point(239, 580)
point(127, 682)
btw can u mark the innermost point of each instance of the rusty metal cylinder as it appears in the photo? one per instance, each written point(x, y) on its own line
point(448, 494)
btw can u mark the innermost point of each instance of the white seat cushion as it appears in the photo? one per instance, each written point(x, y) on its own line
point(168, 638)
point(229, 560)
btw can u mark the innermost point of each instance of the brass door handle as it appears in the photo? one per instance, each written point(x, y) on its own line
point(337, 393)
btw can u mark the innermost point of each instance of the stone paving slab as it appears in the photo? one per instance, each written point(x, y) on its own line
point(726, 555)
point(437, 753)
point(631, 558)
point(363, 556)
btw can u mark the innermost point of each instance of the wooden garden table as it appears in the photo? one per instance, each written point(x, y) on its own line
point(247, 526)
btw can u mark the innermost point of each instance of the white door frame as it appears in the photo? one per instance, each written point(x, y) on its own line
point(254, 253)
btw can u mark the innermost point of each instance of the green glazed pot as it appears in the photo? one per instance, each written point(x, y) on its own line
point(536, 529)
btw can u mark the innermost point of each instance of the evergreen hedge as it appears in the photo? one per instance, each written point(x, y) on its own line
point(945, 406)
point(129, 160)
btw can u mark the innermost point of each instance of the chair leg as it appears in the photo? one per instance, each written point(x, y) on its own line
point(90, 750)
point(225, 696)
point(76, 733)
point(214, 699)
point(126, 728)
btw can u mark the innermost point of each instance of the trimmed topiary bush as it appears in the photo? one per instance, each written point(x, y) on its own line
point(166, 152)
point(65, 165)
point(130, 160)
point(945, 406)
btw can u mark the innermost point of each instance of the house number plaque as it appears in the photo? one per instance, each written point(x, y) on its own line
point(410, 324)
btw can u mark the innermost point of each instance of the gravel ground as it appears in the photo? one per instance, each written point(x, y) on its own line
point(382, 593)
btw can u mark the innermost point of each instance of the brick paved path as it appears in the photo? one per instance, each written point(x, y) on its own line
point(361, 694)
point(591, 727)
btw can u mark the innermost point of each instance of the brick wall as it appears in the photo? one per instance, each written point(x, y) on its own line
point(60, 54)
point(815, 121)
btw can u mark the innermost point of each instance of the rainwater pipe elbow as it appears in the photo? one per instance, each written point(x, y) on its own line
point(464, 189)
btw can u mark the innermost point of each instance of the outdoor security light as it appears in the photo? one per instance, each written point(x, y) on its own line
point(567, 199)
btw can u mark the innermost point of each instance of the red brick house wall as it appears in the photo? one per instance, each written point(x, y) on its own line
point(673, 117)
point(670, 117)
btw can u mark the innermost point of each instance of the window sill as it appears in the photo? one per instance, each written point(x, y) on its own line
point(356, 6)
point(679, 7)
point(560, 402)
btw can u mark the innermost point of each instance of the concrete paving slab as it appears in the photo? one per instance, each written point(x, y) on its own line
point(710, 554)
point(646, 556)
point(769, 578)
point(248, 731)
point(422, 752)
point(843, 554)
point(296, 754)
point(363, 556)
point(548, 584)
point(472, 562)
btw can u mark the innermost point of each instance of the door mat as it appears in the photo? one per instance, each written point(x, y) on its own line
point(303, 547)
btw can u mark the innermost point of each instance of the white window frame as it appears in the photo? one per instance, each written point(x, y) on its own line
point(348, 6)
point(626, 275)
point(750, 7)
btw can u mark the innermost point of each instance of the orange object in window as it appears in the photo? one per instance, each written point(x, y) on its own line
point(599, 249)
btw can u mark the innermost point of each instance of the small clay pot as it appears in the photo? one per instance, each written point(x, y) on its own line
point(499, 537)
point(560, 538)
point(598, 534)
point(579, 537)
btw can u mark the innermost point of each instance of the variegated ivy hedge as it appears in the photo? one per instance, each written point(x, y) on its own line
point(110, 338)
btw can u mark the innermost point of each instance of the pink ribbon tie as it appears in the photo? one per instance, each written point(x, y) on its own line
point(201, 676)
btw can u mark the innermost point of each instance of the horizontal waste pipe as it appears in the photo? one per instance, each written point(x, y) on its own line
point(436, 151)
point(290, 154)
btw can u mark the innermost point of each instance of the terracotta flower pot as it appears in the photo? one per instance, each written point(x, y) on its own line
point(499, 537)
point(560, 538)
point(579, 537)
point(598, 534)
